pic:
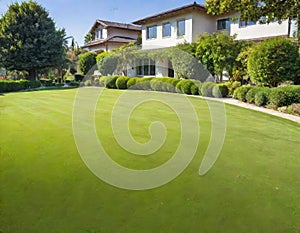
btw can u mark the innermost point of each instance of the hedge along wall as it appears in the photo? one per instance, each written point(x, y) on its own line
point(17, 85)
point(165, 84)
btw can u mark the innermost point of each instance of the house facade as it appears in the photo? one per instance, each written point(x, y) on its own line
point(187, 23)
point(107, 36)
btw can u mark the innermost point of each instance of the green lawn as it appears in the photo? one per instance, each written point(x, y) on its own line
point(45, 186)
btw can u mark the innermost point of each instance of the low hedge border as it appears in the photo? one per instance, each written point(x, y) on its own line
point(164, 84)
point(270, 97)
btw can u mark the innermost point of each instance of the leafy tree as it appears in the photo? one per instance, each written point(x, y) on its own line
point(29, 40)
point(218, 53)
point(190, 48)
point(87, 61)
point(254, 10)
point(273, 61)
point(88, 37)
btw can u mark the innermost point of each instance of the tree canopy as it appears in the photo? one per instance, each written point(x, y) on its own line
point(254, 10)
point(29, 39)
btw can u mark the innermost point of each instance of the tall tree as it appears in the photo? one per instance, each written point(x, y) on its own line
point(218, 52)
point(254, 10)
point(29, 39)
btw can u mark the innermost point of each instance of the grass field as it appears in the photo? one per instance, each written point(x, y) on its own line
point(45, 186)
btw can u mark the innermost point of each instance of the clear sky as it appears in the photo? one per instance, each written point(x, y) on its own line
point(78, 16)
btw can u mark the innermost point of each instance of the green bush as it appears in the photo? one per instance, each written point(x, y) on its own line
point(262, 97)
point(156, 84)
point(274, 61)
point(11, 85)
point(241, 92)
point(207, 89)
point(74, 84)
point(131, 83)
point(186, 87)
point(110, 82)
point(284, 96)
point(143, 84)
point(121, 82)
point(88, 83)
point(178, 86)
point(86, 62)
point(250, 96)
point(220, 91)
point(46, 82)
point(232, 86)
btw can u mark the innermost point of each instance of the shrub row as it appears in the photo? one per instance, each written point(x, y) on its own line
point(173, 85)
point(17, 85)
point(271, 97)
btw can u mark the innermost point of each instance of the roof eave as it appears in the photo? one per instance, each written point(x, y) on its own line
point(170, 13)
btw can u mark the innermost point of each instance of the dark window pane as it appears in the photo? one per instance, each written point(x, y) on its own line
point(151, 32)
point(167, 30)
point(223, 24)
point(181, 28)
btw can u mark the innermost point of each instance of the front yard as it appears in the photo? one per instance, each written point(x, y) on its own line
point(46, 187)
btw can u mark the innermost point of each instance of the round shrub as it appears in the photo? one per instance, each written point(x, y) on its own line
point(178, 86)
point(207, 89)
point(144, 84)
point(274, 61)
point(121, 83)
point(284, 96)
point(262, 97)
point(131, 82)
point(194, 89)
point(110, 82)
point(232, 86)
point(87, 61)
point(241, 92)
point(156, 84)
point(186, 87)
point(220, 91)
point(250, 96)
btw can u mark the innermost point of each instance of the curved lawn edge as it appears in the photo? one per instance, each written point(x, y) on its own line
point(254, 108)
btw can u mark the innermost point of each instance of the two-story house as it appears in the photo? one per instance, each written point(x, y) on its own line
point(187, 23)
point(107, 35)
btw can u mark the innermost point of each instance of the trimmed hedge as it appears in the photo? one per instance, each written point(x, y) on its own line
point(284, 96)
point(241, 92)
point(220, 91)
point(17, 85)
point(271, 97)
point(121, 82)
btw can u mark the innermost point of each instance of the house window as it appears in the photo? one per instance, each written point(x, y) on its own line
point(223, 24)
point(152, 32)
point(166, 30)
point(246, 23)
point(146, 67)
point(99, 34)
point(181, 27)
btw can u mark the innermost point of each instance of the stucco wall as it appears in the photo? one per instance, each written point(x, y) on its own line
point(203, 23)
point(121, 32)
point(161, 42)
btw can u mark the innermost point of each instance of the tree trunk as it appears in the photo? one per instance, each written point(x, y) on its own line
point(32, 74)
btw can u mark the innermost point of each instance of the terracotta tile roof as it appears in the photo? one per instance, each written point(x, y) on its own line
point(109, 24)
point(170, 13)
point(114, 39)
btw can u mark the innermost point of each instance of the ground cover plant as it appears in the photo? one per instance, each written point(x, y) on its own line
point(46, 187)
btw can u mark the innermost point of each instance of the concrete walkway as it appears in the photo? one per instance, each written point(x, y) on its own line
point(256, 108)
